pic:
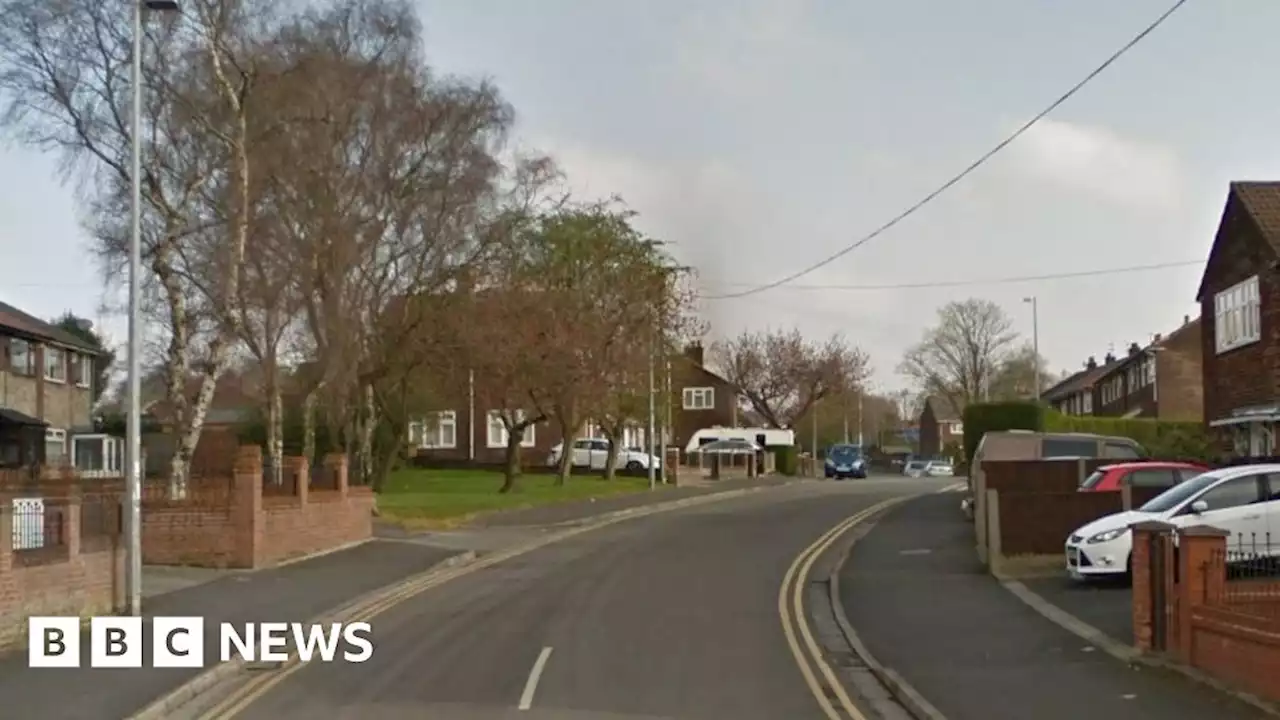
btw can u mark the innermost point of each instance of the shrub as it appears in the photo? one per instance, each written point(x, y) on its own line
point(786, 459)
point(1161, 438)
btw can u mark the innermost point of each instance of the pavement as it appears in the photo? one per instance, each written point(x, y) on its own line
point(923, 606)
point(293, 593)
point(673, 615)
point(1106, 605)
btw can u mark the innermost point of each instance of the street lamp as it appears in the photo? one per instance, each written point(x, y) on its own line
point(133, 479)
point(1035, 339)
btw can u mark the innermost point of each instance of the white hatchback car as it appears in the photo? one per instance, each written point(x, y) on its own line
point(1243, 500)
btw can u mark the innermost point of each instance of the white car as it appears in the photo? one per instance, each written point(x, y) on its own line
point(594, 454)
point(939, 468)
point(1243, 500)
point(915, 468)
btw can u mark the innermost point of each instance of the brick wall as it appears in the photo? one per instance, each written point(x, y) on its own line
point(1180, 375)
point(74, 573)
point(1228, 629)
point(245, 529)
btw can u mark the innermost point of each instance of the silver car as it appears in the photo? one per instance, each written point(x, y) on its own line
point(916, 468)
point(939, 468)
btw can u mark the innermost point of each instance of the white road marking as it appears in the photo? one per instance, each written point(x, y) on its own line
point(531, 685)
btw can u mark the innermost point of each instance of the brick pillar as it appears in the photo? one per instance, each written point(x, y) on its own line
point(246, 506)
point(6, 538)
point(298, 468)
point(1201, 577)
point(1143, 588)
point(337, 464)
point(72, 525)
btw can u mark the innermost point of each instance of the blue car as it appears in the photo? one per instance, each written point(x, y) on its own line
point(845, 461)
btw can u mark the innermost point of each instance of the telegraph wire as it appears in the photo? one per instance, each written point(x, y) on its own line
point(1008, 280)
point(964, 173)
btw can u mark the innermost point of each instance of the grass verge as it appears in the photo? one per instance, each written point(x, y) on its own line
point(438, 499)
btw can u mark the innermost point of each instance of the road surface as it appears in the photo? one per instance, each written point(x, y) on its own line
point(676, 615)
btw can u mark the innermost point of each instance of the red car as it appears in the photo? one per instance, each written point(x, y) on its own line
point(1163, 475)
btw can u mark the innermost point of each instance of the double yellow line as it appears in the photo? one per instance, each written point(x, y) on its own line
point(814, 667)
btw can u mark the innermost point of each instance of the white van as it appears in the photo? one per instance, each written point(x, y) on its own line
point(1243, 500)
point(764, 437)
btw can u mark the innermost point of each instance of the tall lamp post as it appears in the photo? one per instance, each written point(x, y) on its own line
point(133, 430)
point(1035, 339)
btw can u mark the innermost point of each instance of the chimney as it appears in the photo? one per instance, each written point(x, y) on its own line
point(1134, 349)
point(694, 353)
point(1186, 319)
point(1092, 364)
point(1158, 337)
point(1110, 358)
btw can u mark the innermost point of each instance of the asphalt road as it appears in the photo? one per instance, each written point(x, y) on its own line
point(669, 616)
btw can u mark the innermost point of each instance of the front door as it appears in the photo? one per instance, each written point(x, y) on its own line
point(1238, 507)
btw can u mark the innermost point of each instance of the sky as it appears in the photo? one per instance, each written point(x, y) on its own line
point(759, 136)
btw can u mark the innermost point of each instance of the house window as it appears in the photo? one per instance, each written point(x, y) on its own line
point(84, 371)
point(1149, 372)
point(496, 434)
point(1087, 403)
point(1237, 315)
point(55, 446)
point(437, 430)
point(957, 428)
point(22, 357)
point(55, 364)
point(699, 398)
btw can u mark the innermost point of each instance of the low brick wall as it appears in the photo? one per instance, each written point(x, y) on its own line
point(250, 528)
point(52, 566)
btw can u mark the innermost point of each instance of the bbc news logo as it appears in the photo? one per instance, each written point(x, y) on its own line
point(178, 642)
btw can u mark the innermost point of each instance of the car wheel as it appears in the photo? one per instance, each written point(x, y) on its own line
point(635, 465)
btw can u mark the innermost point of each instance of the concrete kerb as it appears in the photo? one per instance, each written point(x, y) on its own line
point(1126, 653)
point(186, 693)
point(906, 696)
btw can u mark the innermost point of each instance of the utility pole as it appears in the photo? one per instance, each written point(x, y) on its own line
point(814, 440)
point(859, 418)
point(649, 434)
point(1035, 338)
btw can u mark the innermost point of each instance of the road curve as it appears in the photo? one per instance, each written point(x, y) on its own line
point(670, 616)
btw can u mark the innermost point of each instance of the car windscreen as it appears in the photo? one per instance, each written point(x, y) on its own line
point(1178, 494)
point(1092, 481)
point(845, 452)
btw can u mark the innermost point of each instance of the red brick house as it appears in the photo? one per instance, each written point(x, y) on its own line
point(1080, 393)
point(940, 425)
point(1162, 380)
point(699, 397)
point(1239, 298)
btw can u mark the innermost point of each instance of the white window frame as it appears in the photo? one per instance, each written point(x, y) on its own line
point(56, 436)
point(1086, 403)
point(496, 431)
point(699, 398)
point(28, 366)
point(1237, 316)
point(50, 374)
point(1149, 372)
point(84, 378)
point(428, 433)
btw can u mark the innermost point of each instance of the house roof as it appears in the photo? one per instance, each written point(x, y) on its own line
point(1260, 202)
point(942, 410)
point(1062, 387)
point(1129, 359)
point(13, 417)
point(29, 326)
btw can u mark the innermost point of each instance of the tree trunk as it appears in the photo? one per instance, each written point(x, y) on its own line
point(309, 424)
point(611, 463)
point(512, 471)
point(366, 435)
point(190, 424)
point(275, 426)
point(565, 422)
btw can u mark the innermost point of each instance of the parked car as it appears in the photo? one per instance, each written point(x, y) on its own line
point(1163, 475)
point(594, 454)
point(1243, 500)
point(939, 468)
point(915, 468)
point(1029, 445)
point(845, 461)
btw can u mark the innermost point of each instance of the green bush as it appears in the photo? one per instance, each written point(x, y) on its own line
point(786, 459)
point(1161, 438)
point(983, 418)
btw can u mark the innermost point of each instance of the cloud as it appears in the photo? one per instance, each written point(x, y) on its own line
point(1099, 162)
point(753, 47)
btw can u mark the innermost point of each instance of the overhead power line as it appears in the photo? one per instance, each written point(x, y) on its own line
point(1000, 280)
point(967, 171)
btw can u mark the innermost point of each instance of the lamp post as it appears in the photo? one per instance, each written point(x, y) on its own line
point(1035, 339)
point(133, 429)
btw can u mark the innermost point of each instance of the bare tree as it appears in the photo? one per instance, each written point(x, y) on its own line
point(781, 374)
point(1015, 376)
point(958, 358)
point(64, 68)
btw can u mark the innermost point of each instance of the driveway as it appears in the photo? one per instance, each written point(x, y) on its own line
point(1107, 606)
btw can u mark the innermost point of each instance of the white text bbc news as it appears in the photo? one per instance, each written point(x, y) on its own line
point(118, 642)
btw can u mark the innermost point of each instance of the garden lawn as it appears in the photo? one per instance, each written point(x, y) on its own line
point(445, 498)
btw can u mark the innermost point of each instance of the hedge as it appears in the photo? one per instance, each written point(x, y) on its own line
point(786, 459)
point(1160, 438)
